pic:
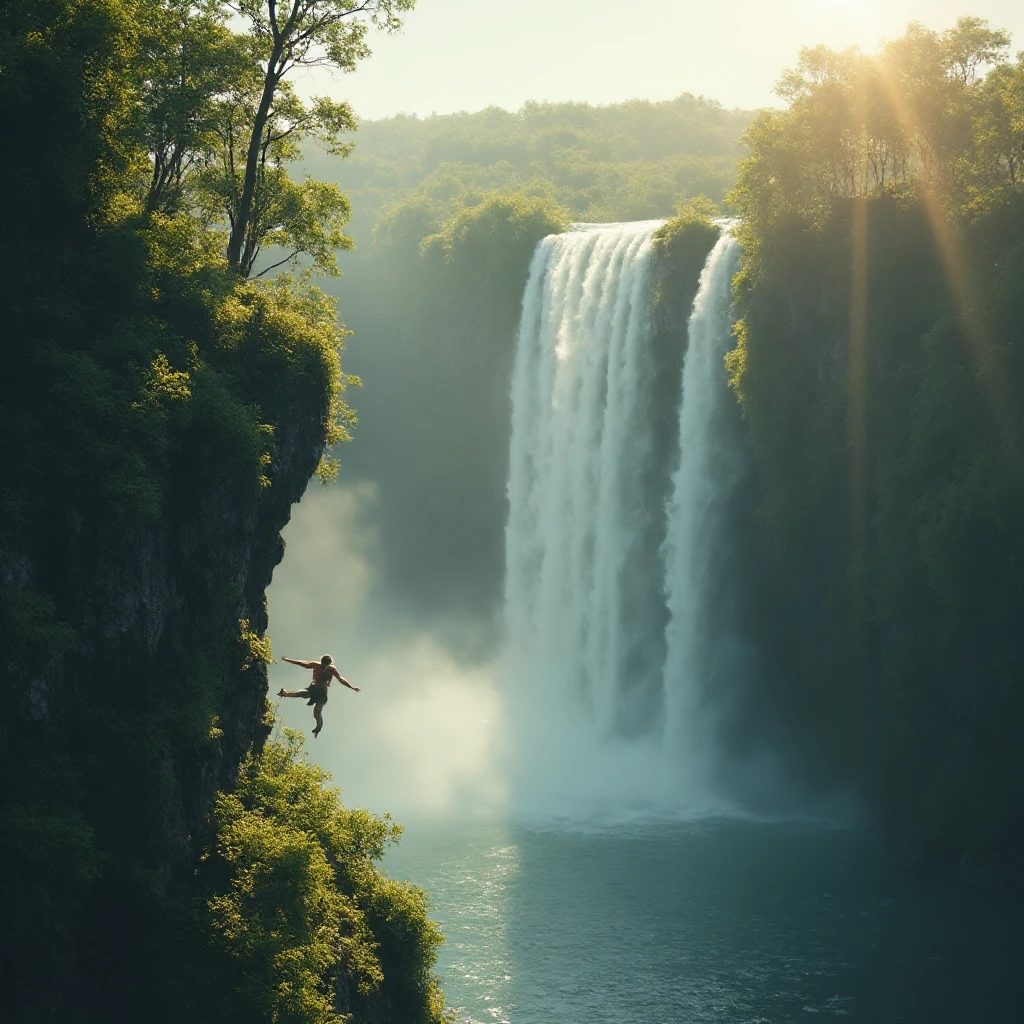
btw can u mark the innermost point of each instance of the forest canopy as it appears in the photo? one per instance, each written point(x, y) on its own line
point(626, 161)
point(921, 112)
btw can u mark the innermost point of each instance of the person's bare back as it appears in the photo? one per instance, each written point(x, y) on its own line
point(316, 693)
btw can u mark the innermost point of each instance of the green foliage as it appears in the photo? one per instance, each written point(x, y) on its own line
point(128, 328)
point(287, 330)
point(50, 861)
point(183, 114)
point(304, 218)
point(692, 226)
point(916, 116)
point(30, 632)
point(296, 901)
point(189, 60)
point(287, 917)
point(256, 647)
point(265, 121)
point(878, 369)
point(625, 161)
point(682, 245)
point(146, 388)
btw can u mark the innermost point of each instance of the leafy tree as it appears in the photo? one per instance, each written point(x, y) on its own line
point(860, 124)
point(286, 36)
point(189, 59)
point(296, 903)
point(299, 218)
point(221, 122)
point(1001, 124)
point(970, 45)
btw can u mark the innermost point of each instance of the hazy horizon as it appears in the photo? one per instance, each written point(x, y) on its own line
point(465, 55)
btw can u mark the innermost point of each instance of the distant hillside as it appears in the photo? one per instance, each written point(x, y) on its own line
point(627, 161)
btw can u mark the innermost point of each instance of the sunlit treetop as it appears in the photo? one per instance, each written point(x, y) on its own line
point(318, 33)
point(930, 113)
point(303, 34)
point(956, 54)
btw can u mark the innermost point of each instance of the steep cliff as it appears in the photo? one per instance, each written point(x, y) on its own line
point(130, 698)
point(159, 859)
point(153, 596)
point(883, 568)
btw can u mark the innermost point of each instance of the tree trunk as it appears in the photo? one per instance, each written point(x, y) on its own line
point(244, 208)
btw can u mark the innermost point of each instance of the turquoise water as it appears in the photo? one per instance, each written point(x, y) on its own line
point(725, 921)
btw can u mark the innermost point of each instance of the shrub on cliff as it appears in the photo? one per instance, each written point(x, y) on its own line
point(307, 927)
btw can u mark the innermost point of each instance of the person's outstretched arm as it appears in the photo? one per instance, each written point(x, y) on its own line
point(341, 679)
point(302, 664)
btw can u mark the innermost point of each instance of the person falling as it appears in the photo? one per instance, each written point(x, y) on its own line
point(316, 692)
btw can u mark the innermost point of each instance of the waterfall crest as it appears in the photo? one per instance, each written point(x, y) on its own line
point(597, 674)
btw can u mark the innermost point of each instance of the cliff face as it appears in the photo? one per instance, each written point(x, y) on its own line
point(147, 606)
point(883, 555)
point(159, 415)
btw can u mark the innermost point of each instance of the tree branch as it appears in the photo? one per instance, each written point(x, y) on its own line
point(298, 125)
point(274, 266)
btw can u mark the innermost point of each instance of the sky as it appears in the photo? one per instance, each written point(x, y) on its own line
point(468, 54)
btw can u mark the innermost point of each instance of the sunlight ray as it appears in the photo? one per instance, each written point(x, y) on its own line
point(972, 327)
point(858, 379)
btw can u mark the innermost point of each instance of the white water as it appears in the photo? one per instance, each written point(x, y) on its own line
point(703, 651)
point(586, 545)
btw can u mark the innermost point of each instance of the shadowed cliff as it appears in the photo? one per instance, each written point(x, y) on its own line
point(161, 415)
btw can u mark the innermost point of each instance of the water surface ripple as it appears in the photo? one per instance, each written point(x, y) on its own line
point(721, 921)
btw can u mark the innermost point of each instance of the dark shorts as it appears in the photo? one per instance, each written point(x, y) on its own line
point(316, 695)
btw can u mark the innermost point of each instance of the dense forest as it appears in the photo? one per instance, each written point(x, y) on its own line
point(162, 407)
point(626, 161)
point(879, 367)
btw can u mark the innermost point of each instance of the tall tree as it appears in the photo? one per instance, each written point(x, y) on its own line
point(1001, 123)
point(189, 59)
point(297, 218)
point(298, 34)
point(970, 45)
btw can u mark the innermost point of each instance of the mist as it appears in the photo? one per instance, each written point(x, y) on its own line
point(422, 735)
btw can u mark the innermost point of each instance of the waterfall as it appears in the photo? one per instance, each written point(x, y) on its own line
point(702, 649)
point(594, 567)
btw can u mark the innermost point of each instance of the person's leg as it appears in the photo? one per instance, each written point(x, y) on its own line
point(292, 693)
point(317, 709)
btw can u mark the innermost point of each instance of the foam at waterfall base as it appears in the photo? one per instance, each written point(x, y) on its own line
point(564, 774)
